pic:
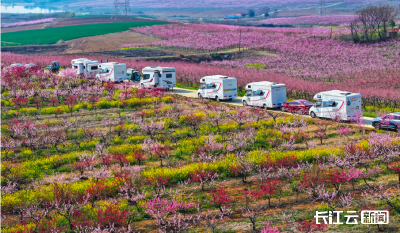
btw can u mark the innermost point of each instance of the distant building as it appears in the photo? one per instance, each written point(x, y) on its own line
point(235, 16)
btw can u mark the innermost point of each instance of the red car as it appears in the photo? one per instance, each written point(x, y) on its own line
point(297, 106)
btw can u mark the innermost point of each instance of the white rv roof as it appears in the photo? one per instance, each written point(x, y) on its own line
point(79, 59)
point(218, 77)
point(112, 64)
point(266, 83)
point(159, 68)
point(338, 93)
point(86, 62)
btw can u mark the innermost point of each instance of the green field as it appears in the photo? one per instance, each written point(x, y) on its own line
point(53, 35)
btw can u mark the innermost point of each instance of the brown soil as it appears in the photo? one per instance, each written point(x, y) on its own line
point(93, 20)
point(24, 28)
point(112, 41)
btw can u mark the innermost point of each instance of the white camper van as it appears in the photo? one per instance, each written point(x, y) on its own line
point(219, 87)
point(342, 105)
point(111, 72)
point(264, 94)
point(85, 66)
point(156, 76)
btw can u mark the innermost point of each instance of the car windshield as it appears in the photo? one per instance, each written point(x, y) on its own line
point(306, 102)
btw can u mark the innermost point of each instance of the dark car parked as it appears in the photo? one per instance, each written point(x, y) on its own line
point(297, 106)
point(390, 121)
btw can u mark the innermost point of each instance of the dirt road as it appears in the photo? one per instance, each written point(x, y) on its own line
point(367, 121)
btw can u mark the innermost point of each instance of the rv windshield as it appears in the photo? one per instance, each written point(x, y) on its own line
point(146, 76)
point(248, 93)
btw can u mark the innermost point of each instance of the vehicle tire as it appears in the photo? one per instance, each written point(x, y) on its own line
point(200, 96)
point(245, 103)
point(265, 107)
point(283, 109)
point(300, 112)
point(217, 98)
point(312, 114)
point(376, 125)
point(397, 129)
point(230, 99)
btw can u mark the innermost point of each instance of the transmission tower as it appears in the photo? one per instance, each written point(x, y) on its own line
point(321, 7)
point(122, 6)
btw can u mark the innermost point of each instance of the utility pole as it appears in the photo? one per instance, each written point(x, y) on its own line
point(240, 38)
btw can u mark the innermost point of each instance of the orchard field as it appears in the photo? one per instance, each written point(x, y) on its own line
point(307, 60)
point(82, 156)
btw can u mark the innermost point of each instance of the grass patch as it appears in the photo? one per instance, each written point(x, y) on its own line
point(187, 87)
point(52, 35)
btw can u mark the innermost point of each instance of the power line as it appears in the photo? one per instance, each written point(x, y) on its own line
point(122, 6)
point(321, 7)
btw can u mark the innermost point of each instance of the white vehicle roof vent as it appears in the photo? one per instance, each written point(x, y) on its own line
point(345, 93)
point(223, 77)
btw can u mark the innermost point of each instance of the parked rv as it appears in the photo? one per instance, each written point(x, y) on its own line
point(336, 104)
point(218, 87)
point(156, 76)
point(111, 72)
point(265, 94)
point(85, 66)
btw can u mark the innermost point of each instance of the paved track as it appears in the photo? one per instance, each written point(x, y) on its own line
point(367, 121)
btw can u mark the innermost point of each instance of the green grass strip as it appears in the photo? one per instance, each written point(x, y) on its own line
point(53, 35)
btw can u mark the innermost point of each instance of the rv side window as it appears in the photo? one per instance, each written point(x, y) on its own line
point(248, 93)
point(75, 67)
point(259, 93)
point(318, 104)
point(168, 75)
point(326, 104)
point(146, 76)
point(94, 67)
point(211, 86)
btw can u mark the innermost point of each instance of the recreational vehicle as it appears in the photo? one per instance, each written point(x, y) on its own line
point(85, 66)
point(336, 104)
point(111, 72)
point(265, 94)
point(156, 76)
point(218, 87)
